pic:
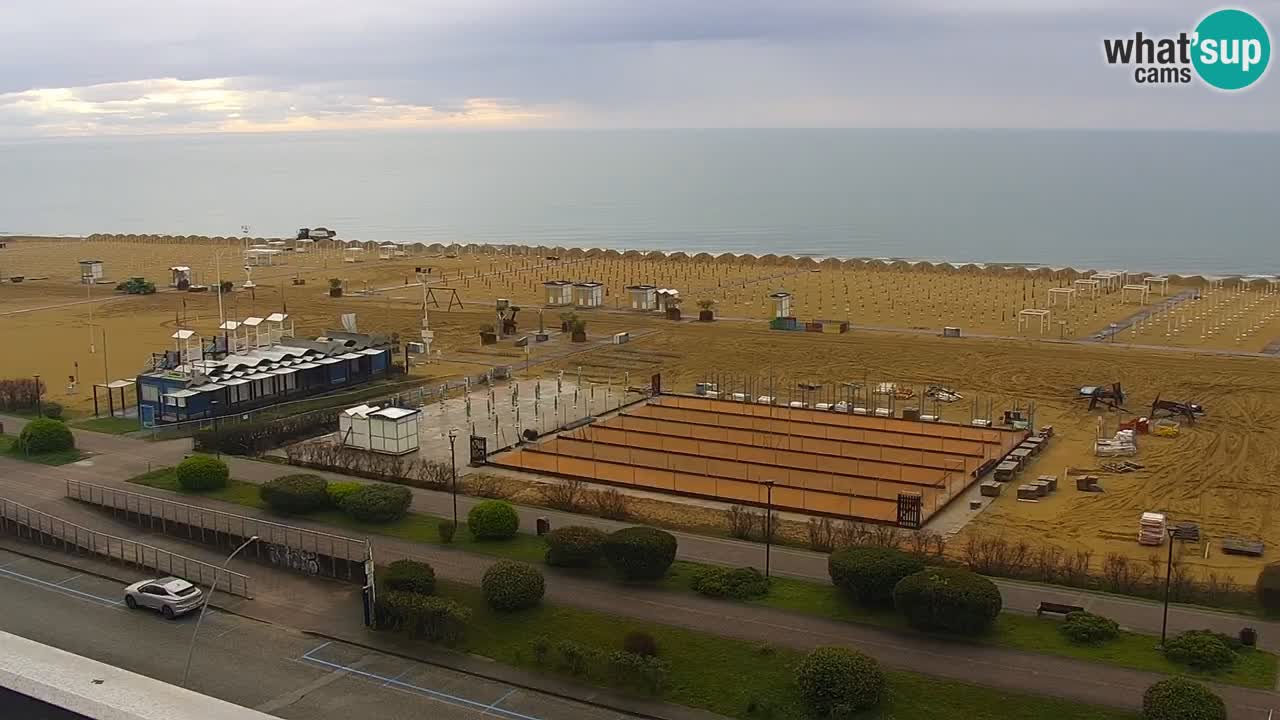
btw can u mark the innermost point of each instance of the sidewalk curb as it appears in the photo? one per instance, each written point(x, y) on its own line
point(573, 691)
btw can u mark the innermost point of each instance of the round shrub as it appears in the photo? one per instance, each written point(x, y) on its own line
point(202, 472)
point(445, 530)
point(738, 583)
point(409, 576)
point(640, 553)
point(509, 585)
point(339, 490)
point(44, 435)
point(953, 600)
point(1200, 649)
point(424, 616)
point(493, 520)
point(377, 503)
point(295, 494)
point(640, 643)
point(1268, 587)
point(52, 410)
point(1085, 628)
point(836, 682)
point(1181, 699)
point(574, 546)
point(869, 574)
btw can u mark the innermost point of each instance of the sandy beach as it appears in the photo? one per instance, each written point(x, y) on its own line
point(1196, 340)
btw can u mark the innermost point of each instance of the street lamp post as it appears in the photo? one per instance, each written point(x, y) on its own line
point(768, 524)
point(1168, 573)
point(39, 410)
point(453, 481)
point(205, 606)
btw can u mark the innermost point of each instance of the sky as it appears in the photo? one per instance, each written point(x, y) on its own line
point(103, 67)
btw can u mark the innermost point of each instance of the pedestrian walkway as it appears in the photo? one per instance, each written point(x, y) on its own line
point(989, 666)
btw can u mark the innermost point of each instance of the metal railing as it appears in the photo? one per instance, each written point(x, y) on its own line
point(310, 552)
point(31, 524)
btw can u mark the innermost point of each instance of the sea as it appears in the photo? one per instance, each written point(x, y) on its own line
point(1184, 202)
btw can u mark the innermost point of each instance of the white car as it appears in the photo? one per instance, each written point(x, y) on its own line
point(170, 595)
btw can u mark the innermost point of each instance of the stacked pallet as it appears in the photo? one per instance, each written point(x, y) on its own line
point(1151, 529)
point(1124, 443)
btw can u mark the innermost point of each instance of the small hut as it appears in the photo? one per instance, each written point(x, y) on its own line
point(559, 293)
point(588, 294)
point(642, 297)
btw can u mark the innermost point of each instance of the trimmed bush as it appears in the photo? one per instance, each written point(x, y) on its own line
point(738, 583)
point(869, 574)
point(640, 553)
point(52, 410)
point(339, 490)
point(295, 494)
point(577, 659)
point(201, 472)
point(493, 520)
point(1181, 699)
point(509, 585)
point(836, 682)
point(1201, 649)
point(1268, 587)
point(446, 529)
point(640, 643)
point(409, 576)
point(422, 616)
point(644, 672)
point(378, 503)
point(574, 546)
point(45, 435)
point(953, 600)
point(1085, 628)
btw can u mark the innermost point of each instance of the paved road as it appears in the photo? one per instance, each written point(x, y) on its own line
point(272, 669)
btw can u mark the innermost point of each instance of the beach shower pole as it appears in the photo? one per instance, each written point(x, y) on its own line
point(453, 483)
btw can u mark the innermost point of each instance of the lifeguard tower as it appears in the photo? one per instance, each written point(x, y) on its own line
point(279, 327)
point(781, 304)
point(90, 272)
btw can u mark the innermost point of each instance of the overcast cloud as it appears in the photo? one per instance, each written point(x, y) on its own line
point(84, 67)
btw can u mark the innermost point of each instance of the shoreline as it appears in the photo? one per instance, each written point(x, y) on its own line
point(1034, 268)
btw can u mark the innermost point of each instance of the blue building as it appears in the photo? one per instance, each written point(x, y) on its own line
point(181, 387)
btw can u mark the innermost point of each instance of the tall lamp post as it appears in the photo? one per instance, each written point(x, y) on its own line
point(205, 606)
point(453, 482)
point(768, 524)
point(1175, 533)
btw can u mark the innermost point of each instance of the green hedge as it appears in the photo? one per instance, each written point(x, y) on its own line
point(1181, 699)
point(45, 435)
point(295, 494)
point(378, 503)
point(509, 585)
point(1268, 587)
point(574, 546)
point(422, 616)
point(409, 576)
point(1201, 649)
point(202, 472)
point(952, 600)
point(869, 574)
point(1085, 628)
point(640, 553)
point(837, 682)
point(738, 583)
point(339, 490)
point(493, 520)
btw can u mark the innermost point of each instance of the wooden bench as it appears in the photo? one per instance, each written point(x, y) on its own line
point(1054, 608)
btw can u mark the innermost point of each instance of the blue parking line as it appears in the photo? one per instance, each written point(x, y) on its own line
point(56, 587)
point(495, 703)
point(441, 696)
